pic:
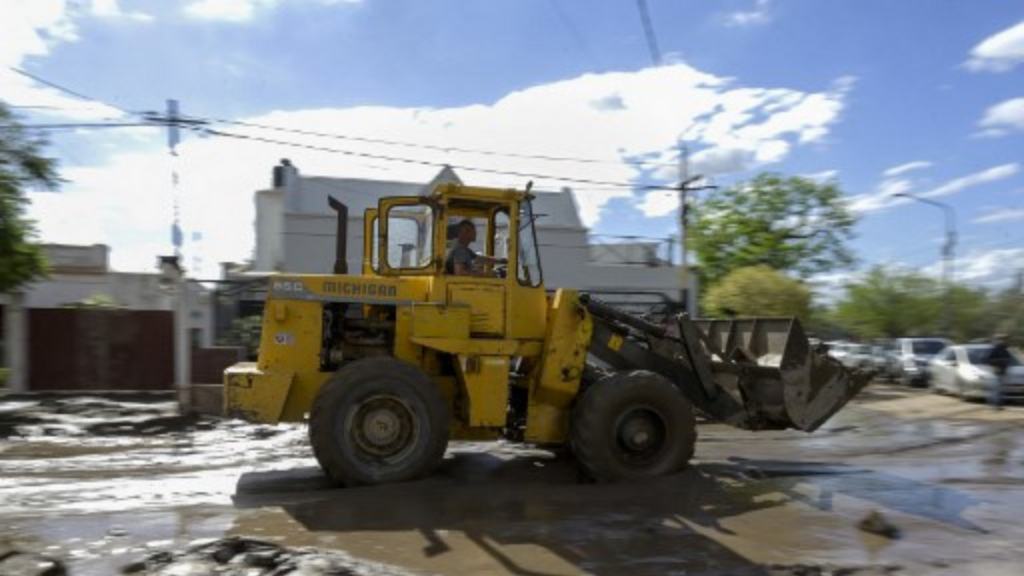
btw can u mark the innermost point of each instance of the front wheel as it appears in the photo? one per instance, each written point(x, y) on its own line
point(378, 420)
point(633, 425)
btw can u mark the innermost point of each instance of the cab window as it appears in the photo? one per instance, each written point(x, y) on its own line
point(410, 241)
point(484, 231)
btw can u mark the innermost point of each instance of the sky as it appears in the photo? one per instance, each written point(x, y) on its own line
point(918, 97)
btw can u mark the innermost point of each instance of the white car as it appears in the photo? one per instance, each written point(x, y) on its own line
point(963, 370)
point(858, 356)
point(913, 356)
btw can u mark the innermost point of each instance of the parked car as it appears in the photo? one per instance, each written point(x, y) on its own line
point(858, 356)
point(913, 355)
point(885, 362)
point(963, 370)
point(837, 349)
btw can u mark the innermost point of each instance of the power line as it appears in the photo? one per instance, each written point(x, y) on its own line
point(550, 158)
point(71, 125)
point(574, 33)
point(66, 90)
point(193, 121)
point(652, 41)
point(388, 158)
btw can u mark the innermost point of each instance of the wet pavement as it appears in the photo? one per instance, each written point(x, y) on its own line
point(93, 486)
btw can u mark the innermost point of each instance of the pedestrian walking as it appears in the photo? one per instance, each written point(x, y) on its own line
point(999, 360)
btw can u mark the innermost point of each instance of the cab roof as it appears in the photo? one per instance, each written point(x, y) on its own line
point(452, 191)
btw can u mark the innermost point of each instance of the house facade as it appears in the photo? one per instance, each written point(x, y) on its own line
point(38, 319)
point(296, 229)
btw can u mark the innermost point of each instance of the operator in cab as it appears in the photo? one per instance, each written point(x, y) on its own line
point(462, 261)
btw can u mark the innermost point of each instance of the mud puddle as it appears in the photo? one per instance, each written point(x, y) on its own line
point(100, 486)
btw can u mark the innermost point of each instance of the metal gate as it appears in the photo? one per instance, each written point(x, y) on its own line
point(100, 349)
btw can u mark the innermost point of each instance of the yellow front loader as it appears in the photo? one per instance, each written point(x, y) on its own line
point(389, 365)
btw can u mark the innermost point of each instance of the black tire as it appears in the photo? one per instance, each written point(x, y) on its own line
point(633, 425)
point(387, 396)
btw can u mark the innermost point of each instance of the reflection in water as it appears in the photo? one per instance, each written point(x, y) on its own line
point(667, 525)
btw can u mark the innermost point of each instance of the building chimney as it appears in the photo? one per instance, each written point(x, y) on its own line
point(283, 174)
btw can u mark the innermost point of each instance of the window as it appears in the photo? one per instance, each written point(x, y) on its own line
point(374, 257)
point(927, 347)
point(528, 267)
point(500, 240)
point(410, 236)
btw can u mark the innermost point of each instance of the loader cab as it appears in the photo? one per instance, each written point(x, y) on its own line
point(413, 236)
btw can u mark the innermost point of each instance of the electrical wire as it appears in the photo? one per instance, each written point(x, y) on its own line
point(68, 91)
point(549, 158)
point(516, 173)
point(652, 40)
point(72, 125)
point(196, 123)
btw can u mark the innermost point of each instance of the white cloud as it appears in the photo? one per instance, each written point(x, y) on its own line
point(882, 197)
point(823, 176)
point(652, 108)
point(989, 267)
point(908, 167)
point(758, 15)
point(717, 161)
point(112, 9)
point(985, 176)
point(236, 11)
point(1000, 52)
point(1002, 118)
point(32, 28)
point(225, 10)
point(1000, 215)
point(659, 203)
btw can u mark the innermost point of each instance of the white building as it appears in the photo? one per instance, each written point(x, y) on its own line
point(295, 232)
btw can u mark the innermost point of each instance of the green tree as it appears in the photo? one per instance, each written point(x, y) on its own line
point(22, 165)
point(792, 224)
point(758, 291)
point(1007, 310)
point(891, 303)
point(972, 315)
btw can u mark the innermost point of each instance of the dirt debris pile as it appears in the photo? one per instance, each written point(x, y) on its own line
point(238, 556)
point(93, 416)
point(22, 563)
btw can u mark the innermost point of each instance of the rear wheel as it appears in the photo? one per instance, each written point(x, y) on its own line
point(633, 425)
point(378, 420)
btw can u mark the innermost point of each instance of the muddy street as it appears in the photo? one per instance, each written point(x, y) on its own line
point(97, 486)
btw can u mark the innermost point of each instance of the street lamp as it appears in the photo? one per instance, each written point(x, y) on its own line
point(948, 258)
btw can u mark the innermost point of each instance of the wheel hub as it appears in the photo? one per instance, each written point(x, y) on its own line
point(637, 433)
point(641, 435)
point(382, 427)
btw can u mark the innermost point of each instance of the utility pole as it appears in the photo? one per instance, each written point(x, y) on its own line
point(685, 186)
point(948, 257)
point(182, 346)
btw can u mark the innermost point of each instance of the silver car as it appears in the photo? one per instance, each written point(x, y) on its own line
point(963, 370)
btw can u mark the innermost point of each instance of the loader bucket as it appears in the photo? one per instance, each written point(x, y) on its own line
point(768, 366)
